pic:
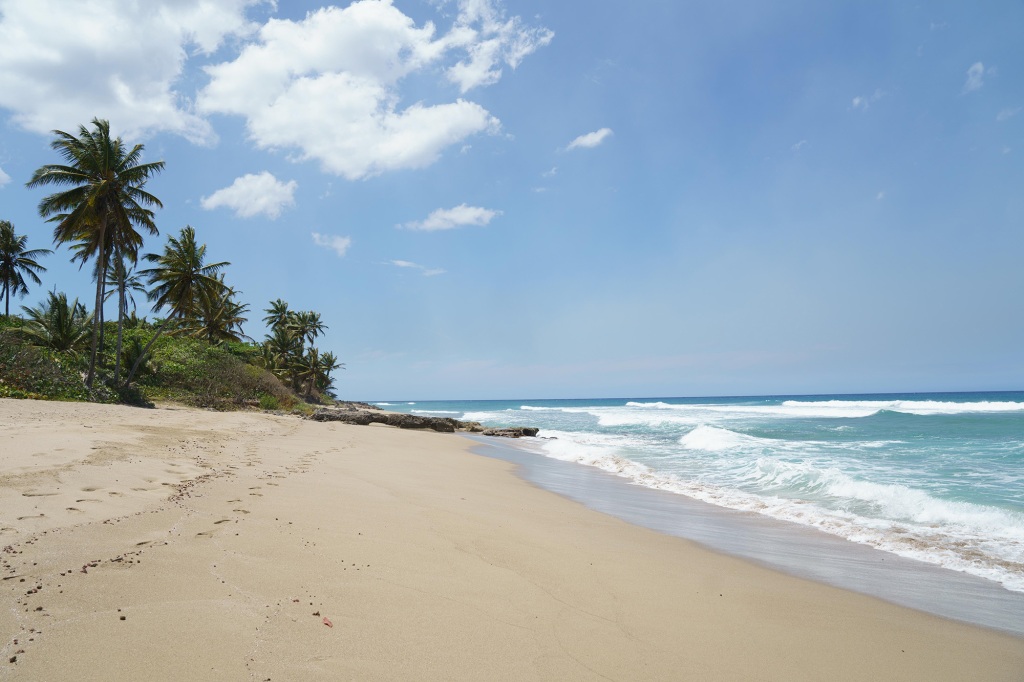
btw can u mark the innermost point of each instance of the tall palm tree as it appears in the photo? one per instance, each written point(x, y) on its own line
point(181, 278)
point(17, 263)
point(124, 279)
point(221, 316)
point(328, 363)
point(57, 324)
point(277, 314)
point(105, 204)
point(307, 325)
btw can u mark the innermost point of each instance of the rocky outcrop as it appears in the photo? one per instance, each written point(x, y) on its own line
point(515, 432)
point(349, 414)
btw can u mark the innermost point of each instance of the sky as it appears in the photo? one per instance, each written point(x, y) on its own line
point(533, 199)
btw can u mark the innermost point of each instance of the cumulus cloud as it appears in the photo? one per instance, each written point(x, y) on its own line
point(449, 218)
point(329, 85)
point(427, 272)
point(114, 59)
point(339, 245)
point(4, 178)
point(590, 140)
point(490, 39)
point(975, 77)
point(251, 195)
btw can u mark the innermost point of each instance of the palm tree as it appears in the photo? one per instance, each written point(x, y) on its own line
point(220, 316)
point(307, 325)
point(105, 203)
point(57, 324)
point(181, 280)
point(328, 363)
point(282, 348)
point(17, 263)
point(181, 277)
point(278, 314)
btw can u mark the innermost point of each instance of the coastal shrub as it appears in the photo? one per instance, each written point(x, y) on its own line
point(269, 402)
point(28, 371)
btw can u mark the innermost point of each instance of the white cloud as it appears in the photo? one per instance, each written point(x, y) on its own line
point(865, 101)
point(590, 140)
point(114, 59)
point(1007, 114)
point(799, 145)
point(490, 40)
point(251, 195)
point(450, 218)
point(975, 77)
point(880, 196)
point(339, 245)
point(329, 85)
point(427, 272)
point(550, 173)
point(4, 178)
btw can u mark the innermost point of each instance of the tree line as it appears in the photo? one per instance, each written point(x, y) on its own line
point(102, 212)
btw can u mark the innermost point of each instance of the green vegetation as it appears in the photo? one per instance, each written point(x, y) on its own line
point(198, 354)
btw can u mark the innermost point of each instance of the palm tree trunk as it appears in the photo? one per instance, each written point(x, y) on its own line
point(97, 317)
point(7, 301)
point(121, 305)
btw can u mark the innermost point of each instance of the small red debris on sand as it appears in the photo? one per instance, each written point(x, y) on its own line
point(327, 622)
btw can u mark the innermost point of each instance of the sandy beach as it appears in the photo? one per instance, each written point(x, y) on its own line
point(176, 544)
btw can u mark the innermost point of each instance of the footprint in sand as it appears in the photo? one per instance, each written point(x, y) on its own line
point(205, 533)
point(90, 489)
point(75, 509)
point(37, 516)
point(85, 499)
point(241, 511)
point(35, 494)
point(114, 493)
point(217, 523)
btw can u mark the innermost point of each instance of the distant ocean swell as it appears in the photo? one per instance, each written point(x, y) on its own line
point(937, 479)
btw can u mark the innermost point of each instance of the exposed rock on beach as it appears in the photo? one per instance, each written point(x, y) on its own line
point(364, 414)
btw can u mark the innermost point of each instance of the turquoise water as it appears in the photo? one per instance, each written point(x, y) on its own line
point(934, 477)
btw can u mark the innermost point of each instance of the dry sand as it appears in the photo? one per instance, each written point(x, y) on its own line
point(177, 544)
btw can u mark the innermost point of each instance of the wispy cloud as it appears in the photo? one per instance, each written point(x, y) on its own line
point(975, 78)
point(865, 101)
point(590, 140)
point(1007, 114)
point(450, 218)
point(4, 178)
point(550, 173)
point(880, 196)
point(339, 245)
point(427, 272)
point(799, 145)
point(251, 195)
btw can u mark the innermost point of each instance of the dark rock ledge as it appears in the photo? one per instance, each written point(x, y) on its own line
point(354, 413)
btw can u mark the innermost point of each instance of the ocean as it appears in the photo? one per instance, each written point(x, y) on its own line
point(936, 478)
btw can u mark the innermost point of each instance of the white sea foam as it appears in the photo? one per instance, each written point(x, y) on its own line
point(918, 407)
point(984, 541)
point(383, 404)
point(434, 412)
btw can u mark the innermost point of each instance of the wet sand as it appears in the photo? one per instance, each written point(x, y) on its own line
point(181, 544)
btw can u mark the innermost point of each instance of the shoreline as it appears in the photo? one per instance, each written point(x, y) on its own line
point(800, 551)
point(174, 543)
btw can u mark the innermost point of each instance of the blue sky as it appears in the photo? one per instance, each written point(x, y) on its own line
point(492, 199)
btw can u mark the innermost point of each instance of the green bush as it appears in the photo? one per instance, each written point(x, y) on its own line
point(30, 372)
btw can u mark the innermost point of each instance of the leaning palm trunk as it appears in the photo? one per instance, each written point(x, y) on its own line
point(145, 352)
